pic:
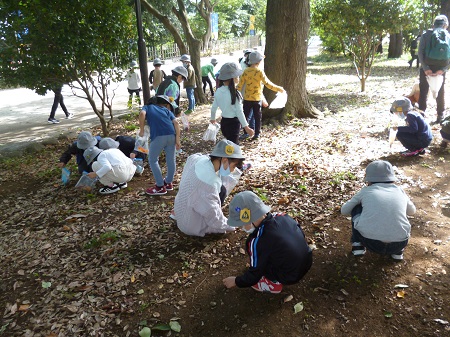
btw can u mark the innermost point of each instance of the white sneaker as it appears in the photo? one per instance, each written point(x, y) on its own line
point(70, 116)
point(109, 189)
point(358, 249)
point(397, 257)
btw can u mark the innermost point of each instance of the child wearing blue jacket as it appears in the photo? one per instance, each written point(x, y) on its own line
point(416, 135)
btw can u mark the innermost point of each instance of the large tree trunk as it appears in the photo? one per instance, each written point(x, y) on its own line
point(287, 27)
point(395, 45)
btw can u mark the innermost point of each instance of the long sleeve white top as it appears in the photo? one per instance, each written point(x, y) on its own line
point(222, 100)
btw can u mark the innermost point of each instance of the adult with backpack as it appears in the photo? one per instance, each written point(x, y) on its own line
point(434, 57)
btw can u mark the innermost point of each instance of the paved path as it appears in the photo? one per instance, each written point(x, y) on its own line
point(24, 114)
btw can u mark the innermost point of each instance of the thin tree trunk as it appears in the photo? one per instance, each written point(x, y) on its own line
point(167, 24)
point(287, 26)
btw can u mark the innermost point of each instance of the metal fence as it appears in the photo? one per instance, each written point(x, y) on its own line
point(171, 51)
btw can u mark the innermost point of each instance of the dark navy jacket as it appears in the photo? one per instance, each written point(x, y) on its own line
point(278, 250)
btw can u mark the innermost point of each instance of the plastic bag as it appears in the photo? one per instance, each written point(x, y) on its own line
point(141, 144)
point(392, 135)
point(185, 121)
point(211, 132)
point(435, 83)
point(230, 181)
point(85, 183)
point(65, 175)
point(280, 101)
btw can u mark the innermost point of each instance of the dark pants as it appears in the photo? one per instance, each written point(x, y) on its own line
point(230, 129)
point(376, 246)
point(414, 56)
point(256, 107)
point(58, 100)
point(424, 87)
point(205, 79)
point(412, 142)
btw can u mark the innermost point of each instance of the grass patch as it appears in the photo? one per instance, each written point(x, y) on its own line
point(104, 239)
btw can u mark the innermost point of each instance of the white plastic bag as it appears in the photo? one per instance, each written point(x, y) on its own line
point(435, 83)
point(141, 144)
point(185, 121)
point(280, 101)
point(230, 181)
point(211, 132)
point(392, 135)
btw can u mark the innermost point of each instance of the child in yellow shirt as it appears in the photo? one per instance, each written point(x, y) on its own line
point(252, 78)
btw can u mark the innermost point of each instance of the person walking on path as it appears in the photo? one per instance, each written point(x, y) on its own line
point(189, 84)
point(206, 70)
point(229, 100)
point(58, 100)
point(157, 75)
point(431, 67)
point(134, 85)
point(252, 78)
point(413, 50)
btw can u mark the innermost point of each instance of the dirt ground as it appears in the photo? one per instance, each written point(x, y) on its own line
point(82, 264)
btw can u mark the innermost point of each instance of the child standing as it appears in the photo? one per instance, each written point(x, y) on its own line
point(252, 78)
point(164, 135)
point(190, 83)
point(416, 135)
point(229, 100)
point(379, 211)
point(206, 70)
point(170, 87)
point(157, 75)
point(279, 253)
point(134, 84)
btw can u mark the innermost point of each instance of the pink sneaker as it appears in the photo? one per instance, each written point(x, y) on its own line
point(265, 285)
point(155, 190)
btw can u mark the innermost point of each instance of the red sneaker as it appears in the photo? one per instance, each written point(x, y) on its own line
point(155, 190)
point(168, 186)
point(265, 285)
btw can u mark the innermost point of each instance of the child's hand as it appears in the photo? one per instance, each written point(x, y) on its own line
point(229, 282)
point(394, 128)
point(92, 175)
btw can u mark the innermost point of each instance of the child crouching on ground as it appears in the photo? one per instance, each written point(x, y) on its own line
point(112, 167)
point(378, 211)
point(279, 253)
point(416, 135)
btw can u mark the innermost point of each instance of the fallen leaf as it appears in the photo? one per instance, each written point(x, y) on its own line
point(145, 332)
point(46, 285)
point(24, 307)
point(288, 298)
point(76, 216)
point(400, 294)
point(387, 314)
point(283, 200)
point(175, 326)
point(440, 321)
point(298, 307)
point(140, 291)
point(344, 292)
point(133, 278)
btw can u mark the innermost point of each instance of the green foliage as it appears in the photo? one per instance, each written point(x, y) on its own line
point(356, 28)
point(82, 43)
point(105, 238)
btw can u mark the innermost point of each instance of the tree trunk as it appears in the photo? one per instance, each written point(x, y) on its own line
point(395, 45)
point(164, 19)
point(445, 8)
point(195, 46)
point(287, 27)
